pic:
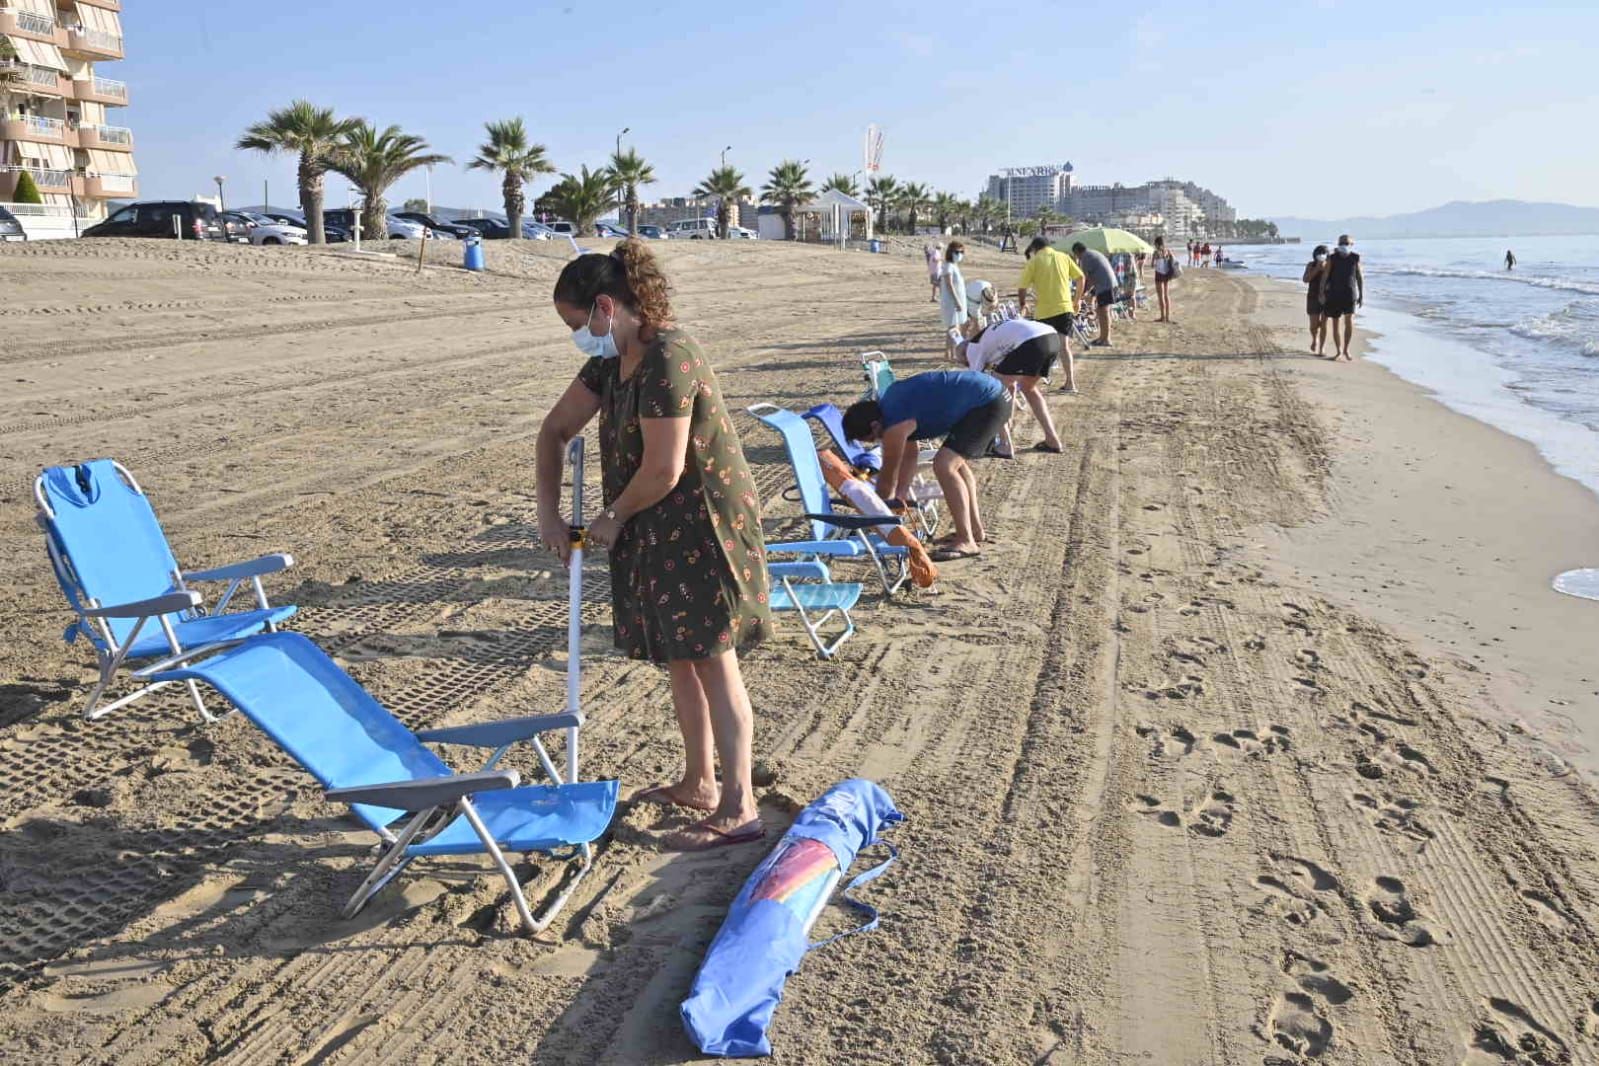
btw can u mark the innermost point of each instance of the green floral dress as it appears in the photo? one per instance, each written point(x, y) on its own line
point(688, 575)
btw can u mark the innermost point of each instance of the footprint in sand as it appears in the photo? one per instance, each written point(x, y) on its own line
point(1297, 1027)
point(1389, 753)
point(1169, 741)
point(1152, 808)
point(1314, 977)
point(1397, 917)
point(1507, 1032)
point(1213, 815)
point(1393, 815)
point(1255, 743)
point(1297, 890)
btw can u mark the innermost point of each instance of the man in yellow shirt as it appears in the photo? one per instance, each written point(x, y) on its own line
point(1051, 276)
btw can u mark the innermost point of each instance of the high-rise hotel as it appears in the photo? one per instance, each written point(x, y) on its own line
point(56, 117)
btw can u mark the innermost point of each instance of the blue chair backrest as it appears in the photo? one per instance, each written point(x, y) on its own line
point(316, 713)
point(857, 455)
point(802, 456)
point(879, 377)
point(109, 537)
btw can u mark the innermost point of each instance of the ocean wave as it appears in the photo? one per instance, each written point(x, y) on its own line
point(1572, 328)
point(1587, 288)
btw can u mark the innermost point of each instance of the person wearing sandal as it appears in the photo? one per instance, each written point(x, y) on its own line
point(681, 523)
point(967, 410)
point(1019, 352)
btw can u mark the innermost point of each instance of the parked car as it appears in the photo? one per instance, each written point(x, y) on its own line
point(452, 229)
point(10, 228)
point(562, 228)
point(536, 231)
point(739, 233)
point(611, 229)
point(154, 218)
point(259, 229)
point(653, 233)
point(333, 234)
point(400, 229)
point(692, 229)
point(492, 229)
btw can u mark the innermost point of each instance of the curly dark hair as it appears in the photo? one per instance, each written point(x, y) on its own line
point(629, 275)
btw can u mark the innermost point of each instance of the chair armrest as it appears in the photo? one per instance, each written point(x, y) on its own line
point(163, 604)
point(425, 793)
point(857, 521)
point(267, 564)
point(499, 734)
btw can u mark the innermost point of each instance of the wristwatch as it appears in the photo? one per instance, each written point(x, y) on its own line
point(610, 512)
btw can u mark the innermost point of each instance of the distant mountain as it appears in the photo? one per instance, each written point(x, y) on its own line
point(1490, 218)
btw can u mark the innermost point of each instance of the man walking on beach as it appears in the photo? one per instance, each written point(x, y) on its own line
point(1343, 290)
point(1102, 283)
point(1510, 260)
point(965, 408)
point(1050, 275)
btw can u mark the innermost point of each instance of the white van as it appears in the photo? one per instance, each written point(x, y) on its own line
point(692, 229)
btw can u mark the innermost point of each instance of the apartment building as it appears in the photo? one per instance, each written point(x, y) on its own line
point(1026, 189)
point(57, 113)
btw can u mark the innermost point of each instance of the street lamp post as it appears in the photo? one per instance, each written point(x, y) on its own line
point(726, 150)
point(625, 129)
point(614, 159)
point(222, 203)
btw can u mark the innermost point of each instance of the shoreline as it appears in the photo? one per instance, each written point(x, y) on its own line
point(1476, 522)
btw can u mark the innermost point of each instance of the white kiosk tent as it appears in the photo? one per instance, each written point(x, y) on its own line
point(835, 212)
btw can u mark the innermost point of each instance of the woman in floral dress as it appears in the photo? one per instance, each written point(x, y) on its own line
point(681, 522)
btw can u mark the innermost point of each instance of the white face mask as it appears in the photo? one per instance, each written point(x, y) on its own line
point(1320, 256)
point(957, 257)
point(601, 347)
point(1344, 249)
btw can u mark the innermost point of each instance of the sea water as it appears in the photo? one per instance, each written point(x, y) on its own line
point(1517, 349)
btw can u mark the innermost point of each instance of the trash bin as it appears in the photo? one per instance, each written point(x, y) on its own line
point(875, 245)
point(474, 253)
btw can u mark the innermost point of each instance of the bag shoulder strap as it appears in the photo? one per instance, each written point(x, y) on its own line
point(871, 912)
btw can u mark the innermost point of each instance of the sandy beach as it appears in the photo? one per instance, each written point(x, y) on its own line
point(1256, 736)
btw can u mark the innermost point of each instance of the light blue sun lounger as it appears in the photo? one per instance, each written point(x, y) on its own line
point(405, 793)
point(808, 590)
point(116, 569)
point(834, 535)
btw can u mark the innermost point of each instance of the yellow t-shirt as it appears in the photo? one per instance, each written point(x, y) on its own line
point(1050, 275)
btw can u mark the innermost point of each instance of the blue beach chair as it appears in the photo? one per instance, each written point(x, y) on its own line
point(116, 569)
point(808, 590)
point(866, 459)
point(364, 757)
point(834, 535)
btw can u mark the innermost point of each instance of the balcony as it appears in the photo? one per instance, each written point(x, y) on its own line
point(95, 43)
point(36, 128)
point(101, 91)
point(62, 182)
point(109, 5)
point(110, 186)
point(31, 26)
point(39, 81)
point(116, 138)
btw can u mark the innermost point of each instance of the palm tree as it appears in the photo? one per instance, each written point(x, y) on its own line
point(914, 197)
point(844, 183)
point(627, 172)
point(726, 184)
point(374, 160)
point(583, 197)
point(509, 152)
point(945, 207)
point(1046, 217)
point(881, 192)
point(986, 210)
point(787, 186)
point(316, 135)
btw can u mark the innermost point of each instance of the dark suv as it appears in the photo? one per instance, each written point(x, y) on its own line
point(10, 228)
point(163, 218)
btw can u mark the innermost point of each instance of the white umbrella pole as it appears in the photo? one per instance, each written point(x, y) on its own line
point(574, 616)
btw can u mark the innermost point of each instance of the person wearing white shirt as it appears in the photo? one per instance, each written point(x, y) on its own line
point(1020, 352)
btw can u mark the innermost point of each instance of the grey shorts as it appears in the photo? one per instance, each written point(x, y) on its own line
point(979, 426)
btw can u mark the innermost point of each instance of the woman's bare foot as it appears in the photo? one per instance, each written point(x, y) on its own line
point(682, 794)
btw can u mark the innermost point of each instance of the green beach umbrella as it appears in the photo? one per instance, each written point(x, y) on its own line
point(1105, 239)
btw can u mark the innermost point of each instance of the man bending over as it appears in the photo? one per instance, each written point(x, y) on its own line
point(964, 408)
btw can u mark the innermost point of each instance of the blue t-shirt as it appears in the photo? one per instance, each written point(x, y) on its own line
point(937, 400)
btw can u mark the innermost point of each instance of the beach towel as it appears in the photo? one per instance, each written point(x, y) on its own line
point(767, 930)
point(858, 492)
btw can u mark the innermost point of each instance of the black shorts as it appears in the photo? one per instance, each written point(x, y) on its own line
point(1061, 324)
point(1105, 297)
point(1313, 306)
point(978, 427)
point(1337, 305)
point(1031, 358)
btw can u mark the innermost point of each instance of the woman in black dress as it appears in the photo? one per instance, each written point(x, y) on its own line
point(1315, 277)
point(681, 522)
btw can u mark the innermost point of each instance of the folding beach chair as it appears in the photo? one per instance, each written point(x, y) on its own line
point(364, 757)
point(834, 535)
point(116, 569)
point(878, 373)
point(808, 590)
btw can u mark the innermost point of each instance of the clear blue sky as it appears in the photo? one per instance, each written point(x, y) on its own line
point(1334, 108)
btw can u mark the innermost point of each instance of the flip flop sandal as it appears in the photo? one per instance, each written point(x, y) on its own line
point(945, 555)
point(1041, 447)
point(662, 795)
point(745, 834)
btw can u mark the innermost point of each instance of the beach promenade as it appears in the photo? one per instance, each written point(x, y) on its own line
point(1254, 736)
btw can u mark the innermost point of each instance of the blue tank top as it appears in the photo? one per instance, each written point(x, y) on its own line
point(937, 400)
